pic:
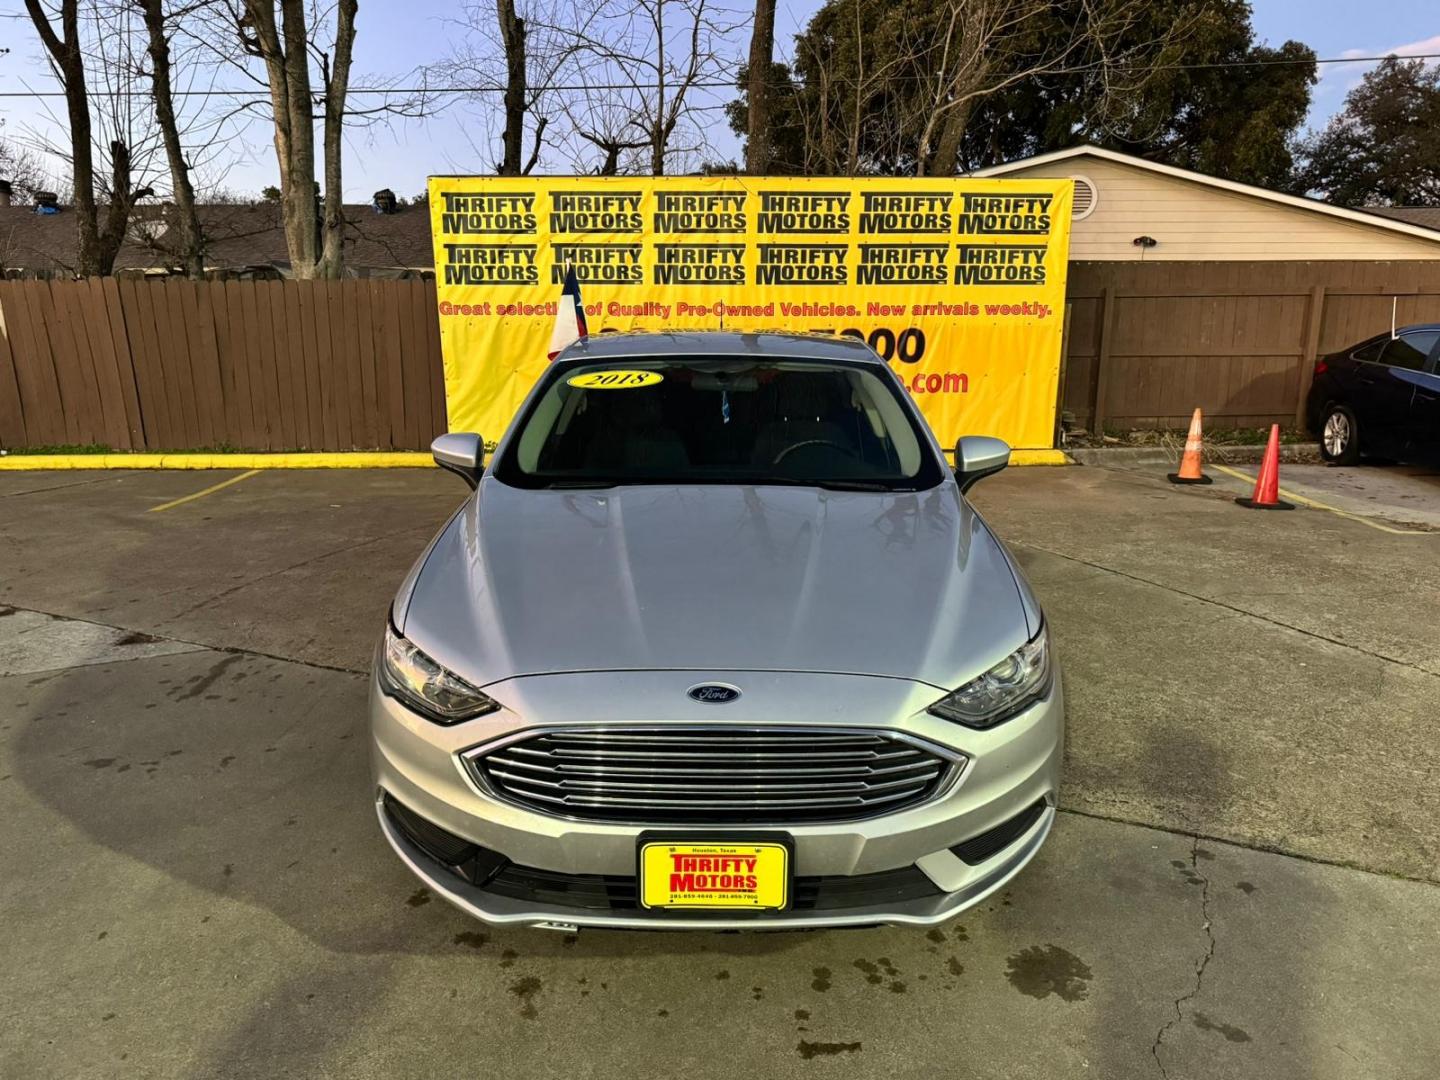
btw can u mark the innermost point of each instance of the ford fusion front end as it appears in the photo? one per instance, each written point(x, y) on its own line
point(717, 642)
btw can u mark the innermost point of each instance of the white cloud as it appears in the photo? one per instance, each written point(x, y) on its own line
point(1337, 79)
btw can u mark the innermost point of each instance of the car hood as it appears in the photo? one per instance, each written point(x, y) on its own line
point(716, 578)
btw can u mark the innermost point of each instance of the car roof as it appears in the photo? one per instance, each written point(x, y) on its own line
point(1384, 334)
point(769, 345)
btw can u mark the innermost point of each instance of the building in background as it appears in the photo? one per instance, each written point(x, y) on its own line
point(1128, 209)
point(382, 239)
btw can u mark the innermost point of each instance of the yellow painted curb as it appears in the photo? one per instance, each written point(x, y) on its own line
point(354, 460)
point(1039, 457)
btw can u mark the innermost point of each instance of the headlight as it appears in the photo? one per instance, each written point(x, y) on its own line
point(1018, 681)
point(408, 674)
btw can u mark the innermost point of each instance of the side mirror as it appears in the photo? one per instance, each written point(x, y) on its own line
point(463, 453)
point(978, 456)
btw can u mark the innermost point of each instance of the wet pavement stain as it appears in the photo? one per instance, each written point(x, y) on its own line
point(1040, 971)
point(473, 938)
point(954, 966)
point(100, 762)
point(525, 989)
point(721, 976)
point(821, 981)
point(802, 1014)
point(135, 637)
point(662, 1013)
point(508, 958)
point(1245, 887)
point(936, 935)
point(201, 683)
point(1234, 1034)
point(757, 993)
point(808, 1050)
point(1203, 853)
point(872, 972)
point(897, 987)
point(419, 898)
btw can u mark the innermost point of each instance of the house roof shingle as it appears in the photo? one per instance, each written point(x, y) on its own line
point(1427, 217)
point(236, 235)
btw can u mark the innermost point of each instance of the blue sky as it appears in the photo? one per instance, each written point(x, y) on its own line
point(401, 155)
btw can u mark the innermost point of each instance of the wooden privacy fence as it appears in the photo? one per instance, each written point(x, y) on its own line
point(253, 365)
point(340, 365)
point(1148, 342)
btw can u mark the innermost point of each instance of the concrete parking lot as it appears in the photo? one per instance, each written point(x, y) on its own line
point(1243, 880)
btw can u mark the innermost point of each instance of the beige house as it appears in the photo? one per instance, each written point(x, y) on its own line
point(1132, 210)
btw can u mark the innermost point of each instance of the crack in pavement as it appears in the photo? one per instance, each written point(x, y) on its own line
point(1229, 607)
point(62, 487)
point(1244, 845)
point(285, 570)
point(1200, 965)
point(228, 649)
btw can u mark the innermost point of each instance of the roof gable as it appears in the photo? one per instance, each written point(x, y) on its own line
point(1076, 155)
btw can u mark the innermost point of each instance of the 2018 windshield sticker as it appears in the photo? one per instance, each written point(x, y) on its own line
point(615, 380)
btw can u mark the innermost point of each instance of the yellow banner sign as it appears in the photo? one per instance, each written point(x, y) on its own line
point(960, 284)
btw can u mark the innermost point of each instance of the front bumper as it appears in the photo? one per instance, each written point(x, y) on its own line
point(502, 910)
point(1009, 770)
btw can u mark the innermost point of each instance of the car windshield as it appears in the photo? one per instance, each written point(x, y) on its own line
point(719, 420)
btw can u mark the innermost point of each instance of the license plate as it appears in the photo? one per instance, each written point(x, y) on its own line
point(752, 875)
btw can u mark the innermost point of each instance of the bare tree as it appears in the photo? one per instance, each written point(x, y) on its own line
point(512, 36)
point(648, 58)
point(601, 121)
point(762, 49)
point(192, 238)
point(97, 242)
point(22, 168)
point(983, 48)
point(313, 237)
point(524, 47)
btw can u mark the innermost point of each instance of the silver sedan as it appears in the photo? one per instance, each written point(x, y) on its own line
point(716, 642)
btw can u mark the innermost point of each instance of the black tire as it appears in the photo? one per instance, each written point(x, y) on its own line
point(1339, 436)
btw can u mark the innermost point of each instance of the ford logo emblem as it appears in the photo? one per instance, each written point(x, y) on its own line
point(713, 693)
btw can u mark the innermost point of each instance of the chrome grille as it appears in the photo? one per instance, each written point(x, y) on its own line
point(712, 775)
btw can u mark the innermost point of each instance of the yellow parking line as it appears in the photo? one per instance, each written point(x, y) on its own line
point(201, 494)
point(1313, 504)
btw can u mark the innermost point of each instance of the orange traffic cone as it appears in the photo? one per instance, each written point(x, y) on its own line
point(1267, 484)
point(1190, 464)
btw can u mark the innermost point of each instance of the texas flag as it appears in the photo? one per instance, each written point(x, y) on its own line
point(569, 315)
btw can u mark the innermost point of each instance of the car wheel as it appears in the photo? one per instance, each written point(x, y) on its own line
point(1339, 436)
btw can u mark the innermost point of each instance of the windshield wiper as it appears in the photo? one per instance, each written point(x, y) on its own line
point(858, 485)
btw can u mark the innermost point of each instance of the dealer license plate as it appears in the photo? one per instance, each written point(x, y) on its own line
point(753, 875)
